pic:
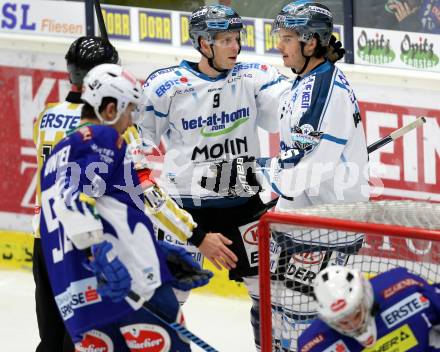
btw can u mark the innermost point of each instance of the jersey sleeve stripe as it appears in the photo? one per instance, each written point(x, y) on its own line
point(157, 113)
point(334, 139)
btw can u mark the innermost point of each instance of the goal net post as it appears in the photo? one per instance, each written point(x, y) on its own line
point(371, 236)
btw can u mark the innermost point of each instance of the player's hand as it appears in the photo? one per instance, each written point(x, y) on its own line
point(402, 10)
point(335, 51)
point(214, 248)
point(235, 178)
point(186, 271)
point(113, 277)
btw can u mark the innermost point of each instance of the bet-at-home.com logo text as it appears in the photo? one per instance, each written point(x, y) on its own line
point(375, 50)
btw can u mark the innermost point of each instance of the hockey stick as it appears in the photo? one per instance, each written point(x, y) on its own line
point(396, 134)
point(179, 328)
point(101, 23)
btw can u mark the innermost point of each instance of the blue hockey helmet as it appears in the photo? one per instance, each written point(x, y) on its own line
point(207, 21)
point(307, 18)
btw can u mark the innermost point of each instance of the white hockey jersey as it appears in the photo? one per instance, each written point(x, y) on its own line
point(323, 149)
point(206, 120)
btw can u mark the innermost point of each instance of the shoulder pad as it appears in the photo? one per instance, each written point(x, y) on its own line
point(163, 73)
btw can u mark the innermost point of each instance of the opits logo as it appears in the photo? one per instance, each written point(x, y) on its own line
point(309, 257)
point(375, 50)
point(251, 235)
point(338, 305)
point(146, 337)
point(418, 54)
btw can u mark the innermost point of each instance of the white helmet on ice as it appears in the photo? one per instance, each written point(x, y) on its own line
point(345, 301)
point(110, 80)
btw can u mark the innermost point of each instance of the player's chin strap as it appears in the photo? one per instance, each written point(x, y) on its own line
point(304, 56)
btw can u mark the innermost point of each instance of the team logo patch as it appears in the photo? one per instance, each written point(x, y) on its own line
point(95, 341)
point(305, 137)
point(404, 309)
point(309, 257)
point(397, 287)
point(250, 242)
point(146, 338)
point(399, 340)
point(338, 346)
point(312, 343)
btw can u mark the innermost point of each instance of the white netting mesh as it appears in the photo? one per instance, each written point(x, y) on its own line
point(299, 253)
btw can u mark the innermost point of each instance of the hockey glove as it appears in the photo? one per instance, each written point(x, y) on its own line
point(236, 178)
point(113, 277)
point(186, 271)
point(335, 51)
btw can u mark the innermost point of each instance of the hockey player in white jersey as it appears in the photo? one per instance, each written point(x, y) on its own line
point(209, 112)
point(323, 157)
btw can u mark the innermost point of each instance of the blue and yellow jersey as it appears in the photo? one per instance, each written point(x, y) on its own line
point(49, 128)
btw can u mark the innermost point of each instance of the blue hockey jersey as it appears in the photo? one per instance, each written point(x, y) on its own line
point(407, 313)
point(88, 184)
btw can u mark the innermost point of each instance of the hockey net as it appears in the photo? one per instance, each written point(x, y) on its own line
point(373, 237)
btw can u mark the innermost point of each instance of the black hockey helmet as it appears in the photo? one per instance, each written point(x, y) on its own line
point(207, 21)
point(87, 52)
point(307, 18)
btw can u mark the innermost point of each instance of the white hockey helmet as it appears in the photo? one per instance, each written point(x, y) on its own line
point(344, 300)
point(110, 80)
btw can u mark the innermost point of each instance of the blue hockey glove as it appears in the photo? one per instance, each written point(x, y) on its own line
point(113, 277)
point(186, 271)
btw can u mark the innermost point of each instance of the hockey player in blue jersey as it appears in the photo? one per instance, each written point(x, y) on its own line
point(97, 241)
point(393, 311)
point(83, 54)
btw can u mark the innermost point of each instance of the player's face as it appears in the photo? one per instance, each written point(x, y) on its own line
point(353, 322)
point(125, 120)
point(290, 49)
point(226, 49)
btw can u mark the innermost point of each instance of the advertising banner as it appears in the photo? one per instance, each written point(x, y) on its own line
point(397, 49)
point(43, 18)
point(117, 22)
point(155, 27)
